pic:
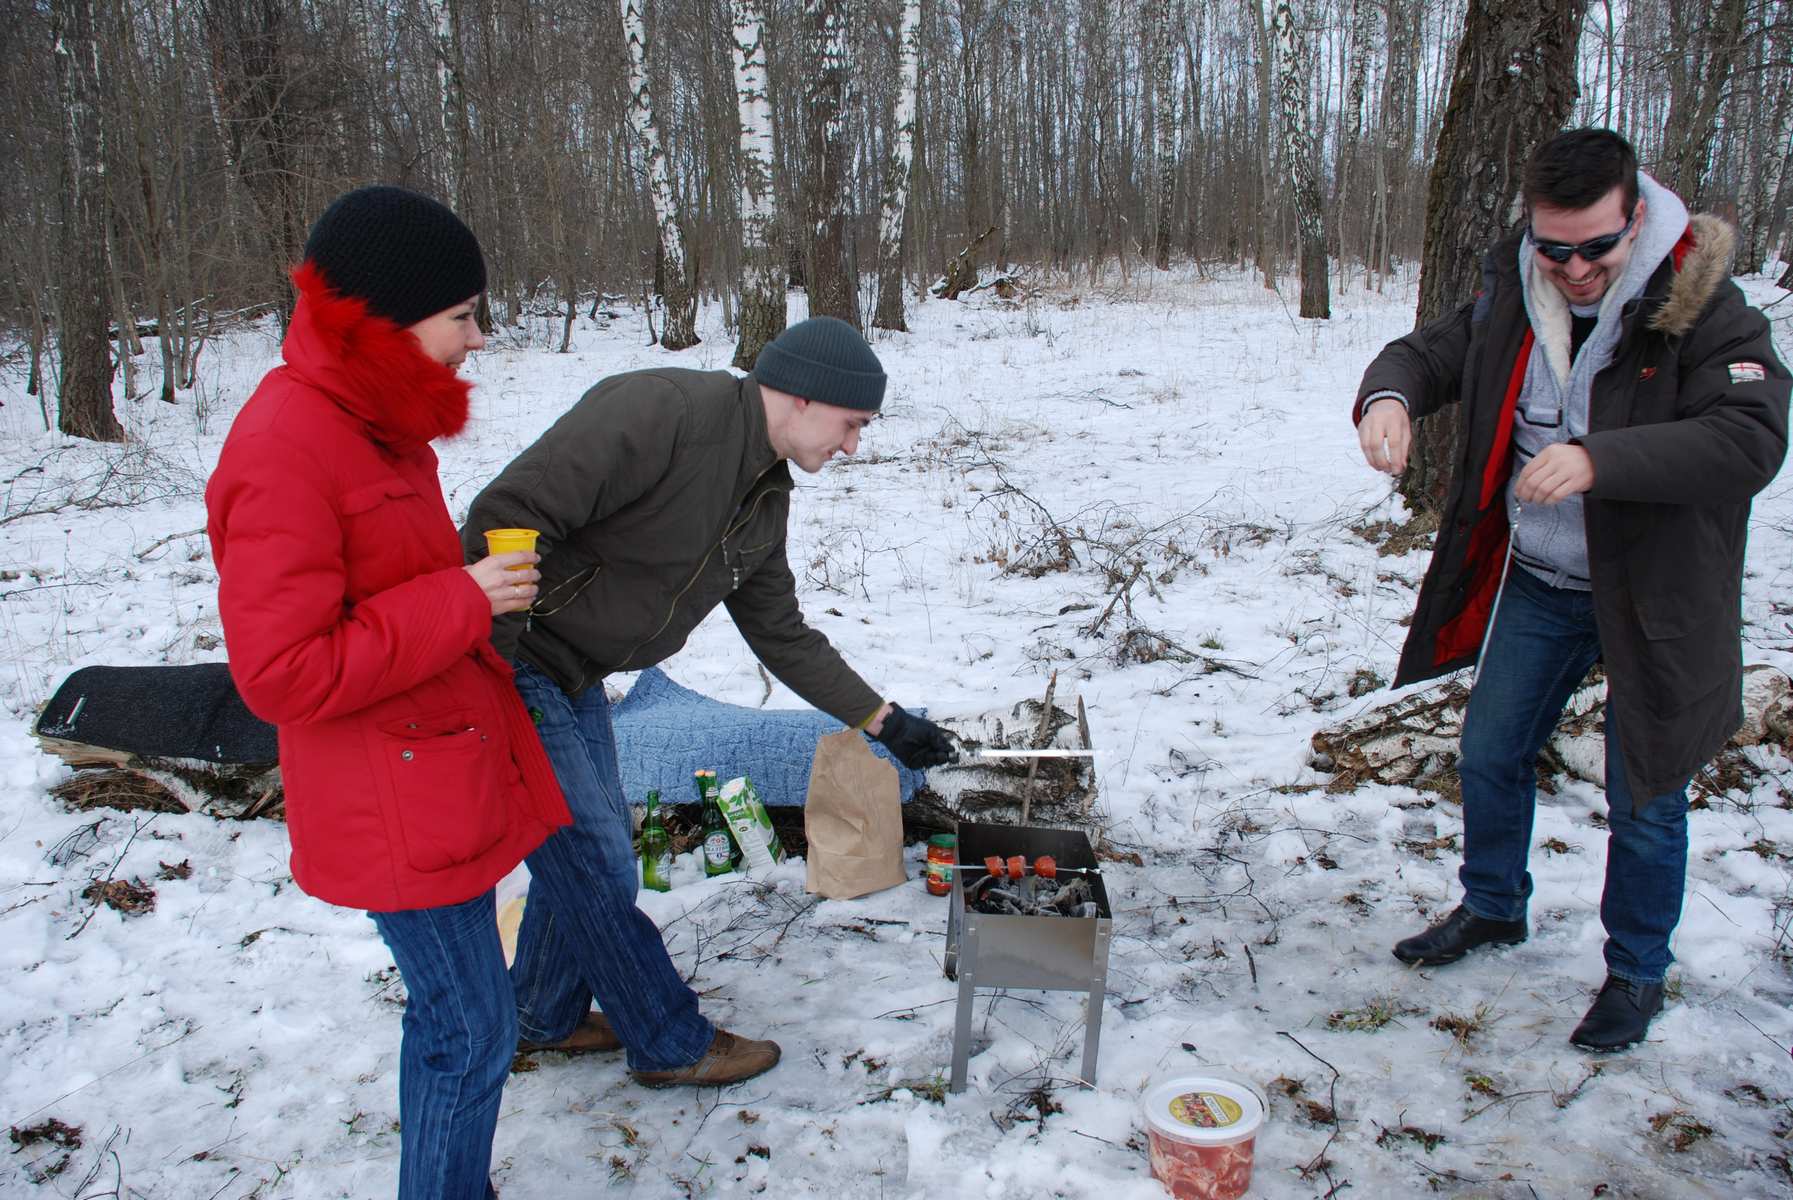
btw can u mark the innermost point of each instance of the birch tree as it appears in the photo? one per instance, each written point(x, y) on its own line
point(1298, 153)
point(85, 400)
point(1164, 130)
point(451, 76)
point(678, 287)
point(833, 287)
point(897, 164)
point(762, 258)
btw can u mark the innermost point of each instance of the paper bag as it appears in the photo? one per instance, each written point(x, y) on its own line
point(853, 819)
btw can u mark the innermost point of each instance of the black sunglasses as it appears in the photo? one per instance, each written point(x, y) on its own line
point(1593, 248)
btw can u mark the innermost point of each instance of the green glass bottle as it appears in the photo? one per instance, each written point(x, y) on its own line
point(712, 794)
point(656, 849)
point(719, 848)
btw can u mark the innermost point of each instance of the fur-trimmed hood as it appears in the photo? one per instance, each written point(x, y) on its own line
point(1675, 269)
point(1706, 264)
point(373, 369)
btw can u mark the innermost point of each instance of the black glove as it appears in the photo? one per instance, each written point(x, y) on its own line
point(916, 742)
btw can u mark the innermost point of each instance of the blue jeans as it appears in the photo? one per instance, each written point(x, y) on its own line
point(582, 936)
point(1543, 643)
point(460, 1033)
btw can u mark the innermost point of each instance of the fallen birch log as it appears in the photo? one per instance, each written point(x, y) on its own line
point(1413, 740)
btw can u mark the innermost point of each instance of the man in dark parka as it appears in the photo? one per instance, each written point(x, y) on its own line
point(660, 496)
point(1623, 403)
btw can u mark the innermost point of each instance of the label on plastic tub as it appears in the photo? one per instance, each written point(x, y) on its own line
point(1206, 1110)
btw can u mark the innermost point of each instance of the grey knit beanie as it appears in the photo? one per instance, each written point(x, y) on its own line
point(823, 359)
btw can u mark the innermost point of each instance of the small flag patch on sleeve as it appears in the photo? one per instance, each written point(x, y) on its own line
point(1747, 372)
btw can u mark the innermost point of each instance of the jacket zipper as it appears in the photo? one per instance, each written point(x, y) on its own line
point(673, 608)
point(1499, 592)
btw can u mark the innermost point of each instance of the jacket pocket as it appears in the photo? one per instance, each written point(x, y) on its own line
point(367, 497)
point(385, 536)
point(448, 781)
point(1682, 658)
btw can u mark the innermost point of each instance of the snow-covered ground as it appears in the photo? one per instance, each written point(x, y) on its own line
point(241, 1039)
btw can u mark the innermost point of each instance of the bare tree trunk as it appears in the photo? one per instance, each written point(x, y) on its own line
point(833, 291)
point(971, 116)
point(762, 264)
point(1351, 149)
point(897, 166)
point(1165, 130)
point(1513, 87)
point(1267, 203)
point(1717, 30)
point(1191, 143)
point(1394, 157)
point(1766, 169)
point(254, 84)
point(85, 399)
point(1298, 150)
point(678, 278)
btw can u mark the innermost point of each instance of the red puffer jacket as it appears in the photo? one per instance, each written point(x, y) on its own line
point(413, 775)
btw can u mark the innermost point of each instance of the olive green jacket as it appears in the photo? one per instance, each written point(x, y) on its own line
point(659, 496)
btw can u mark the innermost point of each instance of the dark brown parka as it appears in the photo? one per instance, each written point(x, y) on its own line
point(658, 496)
point(1687, 423)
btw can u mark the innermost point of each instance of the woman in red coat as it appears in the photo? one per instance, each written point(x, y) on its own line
point(414, 779)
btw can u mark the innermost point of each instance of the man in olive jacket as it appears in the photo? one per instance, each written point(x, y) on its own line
point(1623, 402)
point(660, 495)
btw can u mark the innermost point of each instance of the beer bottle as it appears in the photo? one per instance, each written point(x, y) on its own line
point(712, 793)
point(719, 856)
point(656, 849)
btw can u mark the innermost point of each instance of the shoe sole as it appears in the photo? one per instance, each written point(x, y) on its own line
point(532, 1048)
point(670, 1083)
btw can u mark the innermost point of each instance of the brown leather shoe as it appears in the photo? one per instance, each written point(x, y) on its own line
point(730, 1059)
point(593, 1034)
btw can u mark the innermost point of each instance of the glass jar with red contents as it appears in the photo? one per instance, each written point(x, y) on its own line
point(943, 848)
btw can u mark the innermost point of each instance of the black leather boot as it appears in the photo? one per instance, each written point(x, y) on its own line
point(1620, 1015)
point(1456, 936)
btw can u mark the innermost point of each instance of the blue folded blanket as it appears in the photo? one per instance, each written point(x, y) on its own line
point(664, 732)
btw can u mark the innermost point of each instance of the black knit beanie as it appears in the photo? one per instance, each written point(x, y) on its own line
point(406, 255)
point(823, 359)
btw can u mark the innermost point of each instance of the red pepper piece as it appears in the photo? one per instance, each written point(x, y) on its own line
point(1046, 867)
point(993, 865)
point(1017, 866)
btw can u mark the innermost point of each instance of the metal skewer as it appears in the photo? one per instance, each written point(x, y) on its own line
point(1004, 872)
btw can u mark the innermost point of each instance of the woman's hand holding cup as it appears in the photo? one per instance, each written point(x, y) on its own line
point(508, 579)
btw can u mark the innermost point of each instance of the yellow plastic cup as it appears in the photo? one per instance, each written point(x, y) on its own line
point(506, 541)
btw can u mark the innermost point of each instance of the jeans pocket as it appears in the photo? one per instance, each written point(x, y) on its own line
point(448, 781)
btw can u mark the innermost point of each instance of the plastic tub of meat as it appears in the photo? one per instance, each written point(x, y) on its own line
point(1204, 1130)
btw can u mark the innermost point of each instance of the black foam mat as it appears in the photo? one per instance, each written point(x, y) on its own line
point(165, 712)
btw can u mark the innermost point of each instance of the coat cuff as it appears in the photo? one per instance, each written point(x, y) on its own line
point(1363, 405)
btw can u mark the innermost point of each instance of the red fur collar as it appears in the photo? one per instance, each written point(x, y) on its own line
point(371, 367)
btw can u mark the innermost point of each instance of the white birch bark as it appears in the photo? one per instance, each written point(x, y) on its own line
point(1164, 132)
point(762, 267)
point(452, 110)
point(444, 23)
point(1297, 140)
point(680, 296)
point(897, 168)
